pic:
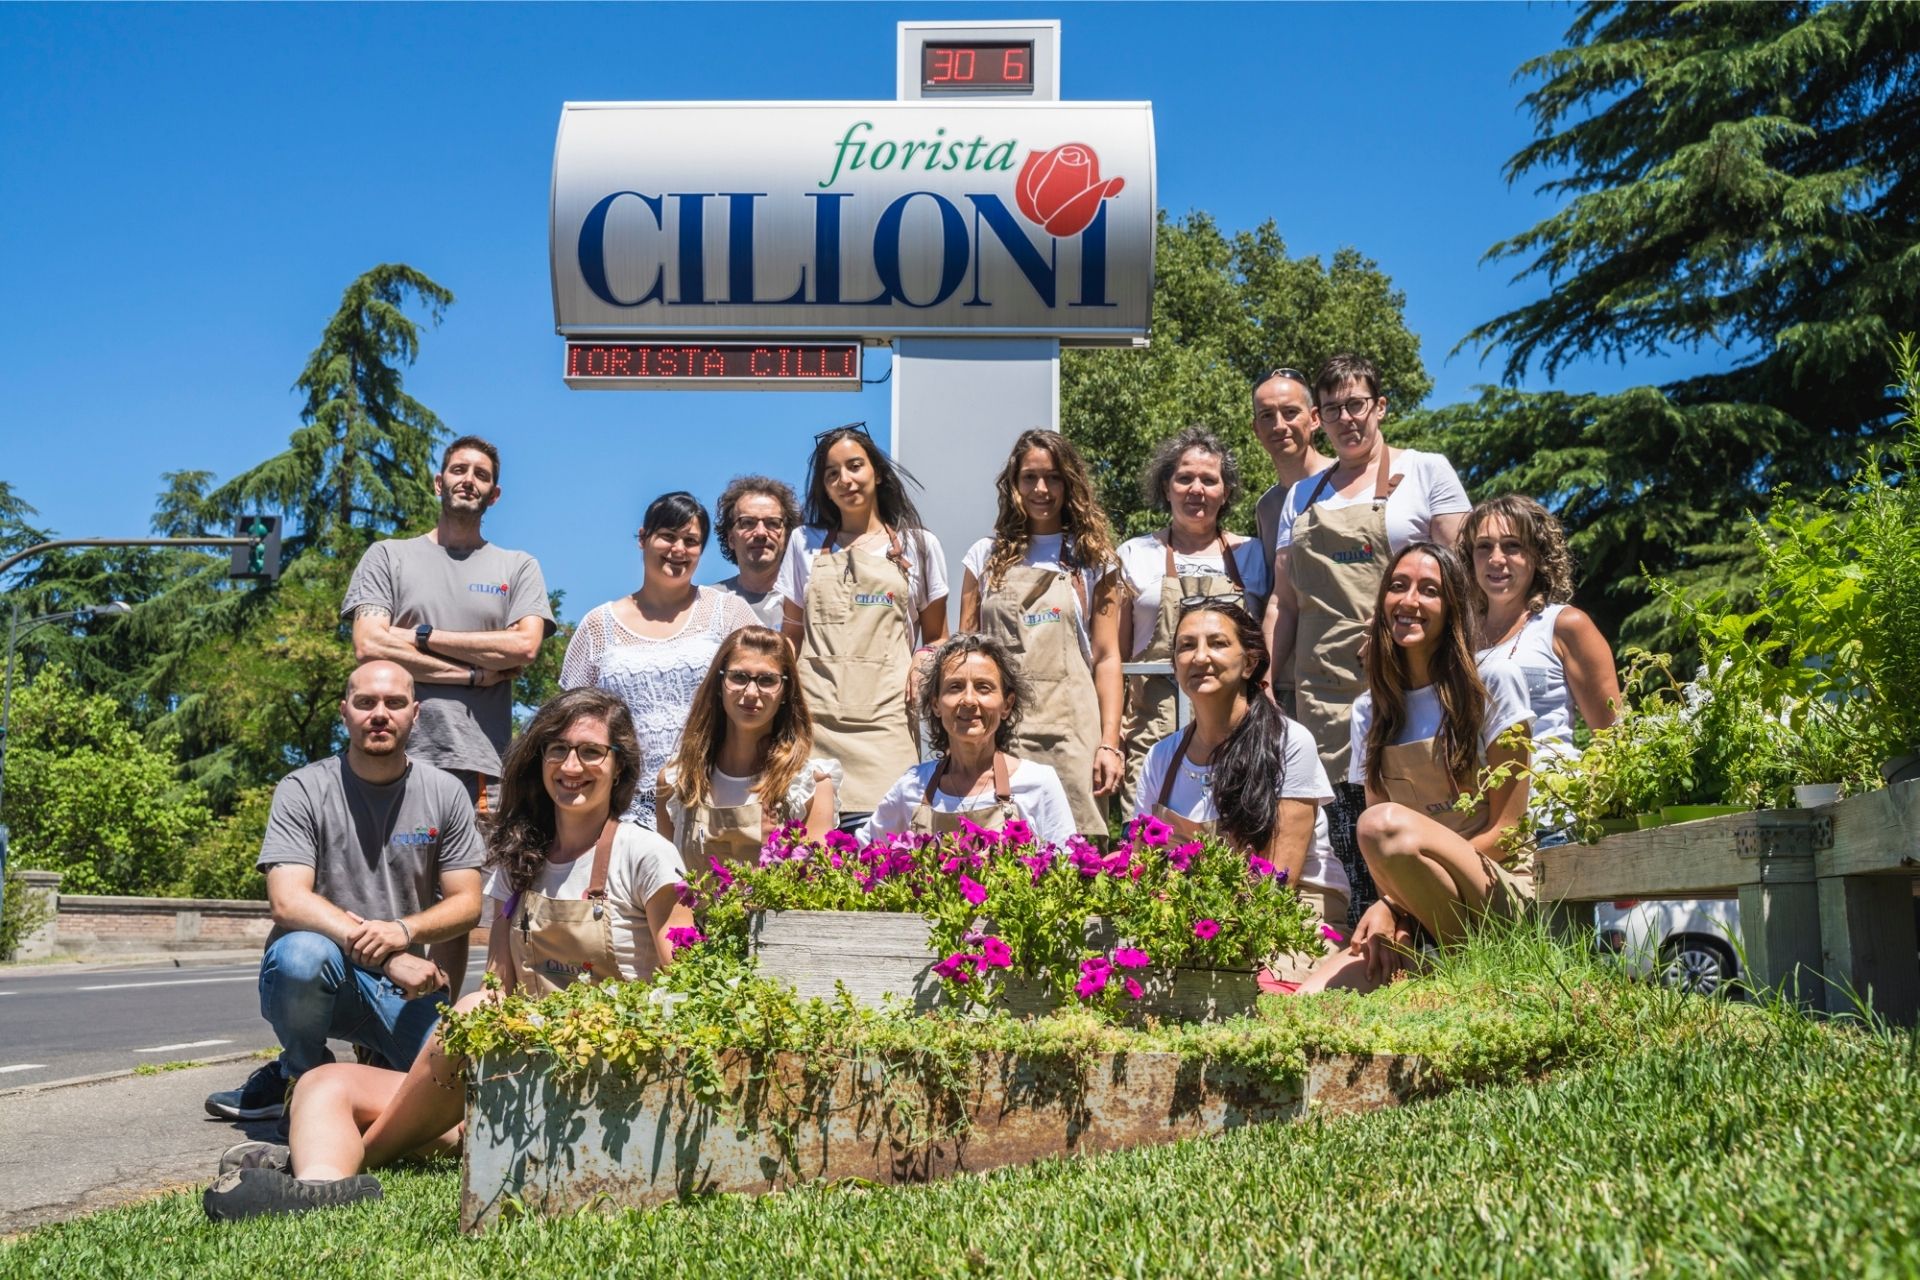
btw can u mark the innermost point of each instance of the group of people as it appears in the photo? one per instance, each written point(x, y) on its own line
point(1352, 670)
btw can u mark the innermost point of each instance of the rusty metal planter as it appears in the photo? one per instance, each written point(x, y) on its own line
point(548, 1143)
point(875, 954)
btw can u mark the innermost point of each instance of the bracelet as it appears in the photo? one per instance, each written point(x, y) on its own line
point(473, 677)
point(1117, 751)
point(406, 929)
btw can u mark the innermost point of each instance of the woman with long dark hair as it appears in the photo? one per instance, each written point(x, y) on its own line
point(1243, 769)
point(581, 896)
point(652, 646)
point(746, 763)
point(1429, 722)
point(1045, 586)
point(866, 589)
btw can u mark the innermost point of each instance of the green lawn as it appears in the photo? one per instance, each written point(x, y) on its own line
point(1725, 1143)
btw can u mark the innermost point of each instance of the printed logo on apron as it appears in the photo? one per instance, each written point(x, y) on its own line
point(1043, 617)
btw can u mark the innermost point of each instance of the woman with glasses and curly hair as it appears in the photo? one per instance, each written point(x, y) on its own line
point(866, 591)
point(972, 702)
point(582, 897)
point(1045, 586)
point(746, 763)
point(1431, 720)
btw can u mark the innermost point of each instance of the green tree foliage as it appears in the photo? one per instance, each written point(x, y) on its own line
point(1226, 310)
point(221, 865)
point(1736, 176)
point(88, 795)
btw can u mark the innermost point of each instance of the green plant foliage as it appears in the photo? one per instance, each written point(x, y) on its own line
point(1225, 311)
point(20, 915)
point(89, 796)
point(221, 863)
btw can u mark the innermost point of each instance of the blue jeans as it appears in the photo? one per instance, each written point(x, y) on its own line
point(310, 992)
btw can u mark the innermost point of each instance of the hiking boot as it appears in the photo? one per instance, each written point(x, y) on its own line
point(256, 1155)
point(262, 1097)
point(254, 1193)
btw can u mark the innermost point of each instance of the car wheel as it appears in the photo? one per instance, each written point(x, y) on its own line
point(1704, 966)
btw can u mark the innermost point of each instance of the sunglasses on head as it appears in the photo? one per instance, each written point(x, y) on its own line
point(859, 427)
point(1283, 372)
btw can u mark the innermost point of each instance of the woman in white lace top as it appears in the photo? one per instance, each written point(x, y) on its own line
point(652, 648)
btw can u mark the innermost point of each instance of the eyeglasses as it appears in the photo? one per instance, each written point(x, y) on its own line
point(1292, 374)
point(1194, 602)
point(592, 754)
point(857, 427)
point(747, 524)
point(768, 682)
point(1354, 408)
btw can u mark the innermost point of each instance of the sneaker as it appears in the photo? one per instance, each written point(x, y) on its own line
point(262, 1097)
point(254, 1193)
point(256, 1155)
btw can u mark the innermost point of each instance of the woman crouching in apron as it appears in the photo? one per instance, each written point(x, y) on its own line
point(866, 590)
point(1245, 771)
point(1044, 585)
point(745, 766)
point(1428, 723)
point(581, 896)
point(971, 703)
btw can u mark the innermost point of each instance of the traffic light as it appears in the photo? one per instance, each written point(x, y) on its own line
point(259, 559)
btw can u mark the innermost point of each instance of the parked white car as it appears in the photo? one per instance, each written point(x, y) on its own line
point(1690, 943)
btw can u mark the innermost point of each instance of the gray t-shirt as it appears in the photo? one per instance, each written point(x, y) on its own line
point(375, 850)
point(768, 606)
point(488, 588)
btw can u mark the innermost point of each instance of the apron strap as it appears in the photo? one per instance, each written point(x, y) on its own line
point(1002, 789)
point(1227, 564)
point(602, 859)
point(1173, 766)
point(1384, 484)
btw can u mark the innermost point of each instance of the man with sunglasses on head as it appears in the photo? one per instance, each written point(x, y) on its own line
point(1284, 421)
point(756, 513)
point(369, 855)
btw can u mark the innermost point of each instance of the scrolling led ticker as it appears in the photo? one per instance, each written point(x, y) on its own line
point(734, 366)
point(958, 67)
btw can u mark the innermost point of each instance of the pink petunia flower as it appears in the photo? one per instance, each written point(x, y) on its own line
point(684, 935)
point(1154, 833)
point(1259, 866)
point(1132, 958)
point(720, 873)
point(957, 967)
point(995, 952)
point(1094, 973)
point(1134, 990)
point(972, 890)
point(1017, 832)
point(1180, 857)
point(1206, 929)
point(1332, 934)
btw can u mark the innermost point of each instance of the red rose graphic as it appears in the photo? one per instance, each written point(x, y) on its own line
point(1061, 189)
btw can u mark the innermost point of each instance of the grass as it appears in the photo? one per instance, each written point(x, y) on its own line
point(1708, 1140)
point(160, 1068)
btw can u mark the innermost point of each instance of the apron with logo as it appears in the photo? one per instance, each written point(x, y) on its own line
point(854, 661)
point(1151, 709)
point(1036, 612)
point(554, 941)
point(928, 820)
point(1338, 556)
point(1414, 774)
point(729, 832)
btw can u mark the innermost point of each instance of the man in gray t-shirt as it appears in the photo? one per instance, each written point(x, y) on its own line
point(755, 517)
point(369, 857)
point(461, 615)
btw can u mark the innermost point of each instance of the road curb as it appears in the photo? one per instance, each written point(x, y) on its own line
point(114, 963)
point(101, 1078)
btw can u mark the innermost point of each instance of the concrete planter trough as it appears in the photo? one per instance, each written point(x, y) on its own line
point(544, 1143)
point(875, 954)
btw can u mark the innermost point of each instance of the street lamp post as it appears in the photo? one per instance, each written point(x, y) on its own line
point(113, 608)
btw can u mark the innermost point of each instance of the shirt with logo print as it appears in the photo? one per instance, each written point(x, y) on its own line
point(926, 576)
point(1428, 487)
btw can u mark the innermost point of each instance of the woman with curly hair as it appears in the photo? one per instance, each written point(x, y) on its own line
point(582, 897)
point(746, 763)
point(1431, 719)
point(1522, 582)
point(971, 703)
point(1193, 478)
point(1045, 586)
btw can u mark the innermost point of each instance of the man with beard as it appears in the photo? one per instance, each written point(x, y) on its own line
point(369, 856)
point(756, 514)
point(1284, 420)
point(461, 615)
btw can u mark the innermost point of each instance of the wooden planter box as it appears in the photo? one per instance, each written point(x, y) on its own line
point(875, 954)
point(546, 1144)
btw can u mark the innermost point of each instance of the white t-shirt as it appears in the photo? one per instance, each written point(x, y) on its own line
point(1428, 488)
point(926, 578)
point(1507, 706)
point(726, 791)
point(1143, 561)
point(1043, 552)
point(1548, 693)
point(1036, 792)
point(643, 863)
point(1303, 777)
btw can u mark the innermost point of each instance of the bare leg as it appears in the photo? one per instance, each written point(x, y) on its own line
point(332, 1105)
point(1424, 868)
point(1341, 971)
point(429, 1104)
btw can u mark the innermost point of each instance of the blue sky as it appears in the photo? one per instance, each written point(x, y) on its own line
point(185, 191)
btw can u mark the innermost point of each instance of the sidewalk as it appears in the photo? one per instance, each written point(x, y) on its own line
point(117, 960)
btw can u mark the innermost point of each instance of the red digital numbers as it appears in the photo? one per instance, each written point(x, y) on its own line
point(634, 363)
point(976, 66)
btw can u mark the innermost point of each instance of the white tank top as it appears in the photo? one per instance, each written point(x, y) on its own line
point(1532, 651)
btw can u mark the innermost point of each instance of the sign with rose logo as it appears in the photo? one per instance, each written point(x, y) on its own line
point(871, 219)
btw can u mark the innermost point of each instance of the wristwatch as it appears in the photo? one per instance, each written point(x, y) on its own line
point(420, 634)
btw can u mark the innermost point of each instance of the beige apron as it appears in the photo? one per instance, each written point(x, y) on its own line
point(731, 833)
point(1150, 699)
point(928, 820)
point(1036, 612)
point(1339, 554)
point(554, 941)
point(854, 660)
point(1415, 775)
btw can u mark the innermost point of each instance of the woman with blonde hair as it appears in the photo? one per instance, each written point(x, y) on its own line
point(746, 764)
point(1045, 586)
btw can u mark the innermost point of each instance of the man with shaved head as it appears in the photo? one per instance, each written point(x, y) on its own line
point(369, 857)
